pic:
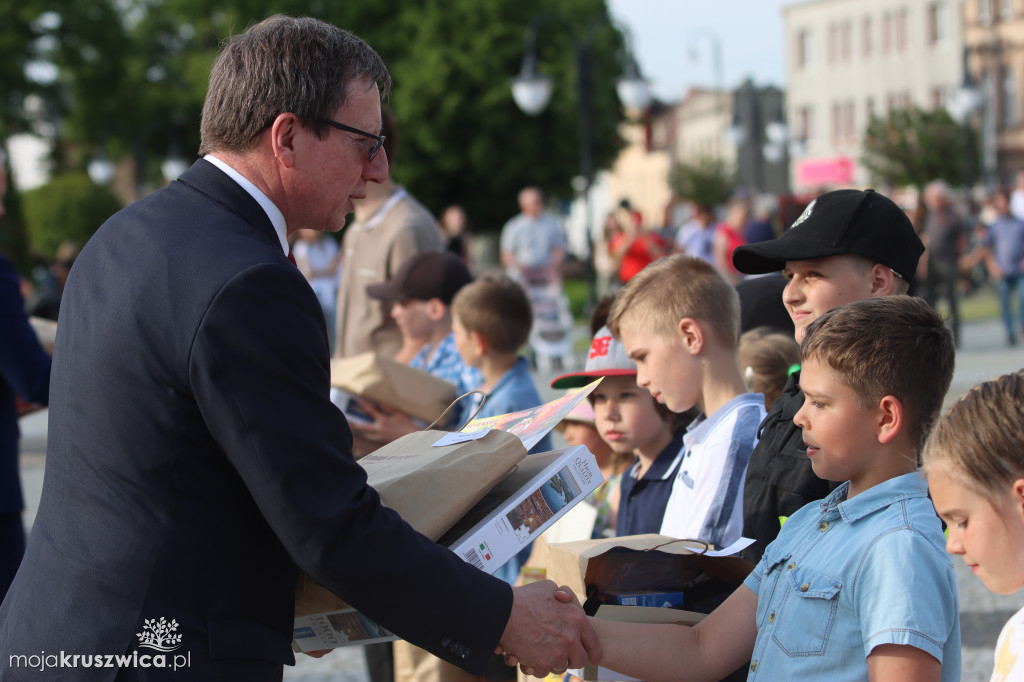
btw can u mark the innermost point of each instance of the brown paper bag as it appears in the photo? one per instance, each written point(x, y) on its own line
point(46, 330)
point(430, 487)
point(645, 562)
point(383, 380)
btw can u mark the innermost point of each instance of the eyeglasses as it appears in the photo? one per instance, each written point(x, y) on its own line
point(349, 129)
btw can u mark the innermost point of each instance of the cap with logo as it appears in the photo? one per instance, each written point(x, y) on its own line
point(860, 222)
point(607, 358)
point(423, 276)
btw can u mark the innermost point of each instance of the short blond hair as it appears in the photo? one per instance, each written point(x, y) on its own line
point(673, 288)
point(982, 436)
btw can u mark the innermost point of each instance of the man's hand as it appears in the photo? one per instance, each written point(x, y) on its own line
point(547, 631)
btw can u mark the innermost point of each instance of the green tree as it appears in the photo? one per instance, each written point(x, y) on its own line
point(132, 75)
point(912, 147)
point(707, 181)
point(69, 207)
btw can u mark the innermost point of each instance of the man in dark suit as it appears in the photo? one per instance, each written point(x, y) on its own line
point(24, 372)
point(195, 461)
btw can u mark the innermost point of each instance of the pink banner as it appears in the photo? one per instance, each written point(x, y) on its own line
point(819, 172)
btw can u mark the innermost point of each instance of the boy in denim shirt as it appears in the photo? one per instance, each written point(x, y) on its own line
point(858, 585)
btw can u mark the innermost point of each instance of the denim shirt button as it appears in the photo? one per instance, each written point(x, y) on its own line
point(823, 527)
point(805, 587)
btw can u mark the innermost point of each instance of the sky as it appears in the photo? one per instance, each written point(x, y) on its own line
point(665, 32)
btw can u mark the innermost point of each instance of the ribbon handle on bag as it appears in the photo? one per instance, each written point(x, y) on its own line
point(454, 403)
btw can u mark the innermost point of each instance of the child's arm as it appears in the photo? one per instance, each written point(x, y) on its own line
point(902, 663)
point(715, 647)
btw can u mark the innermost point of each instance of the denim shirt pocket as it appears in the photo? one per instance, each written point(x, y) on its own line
point(809, 609)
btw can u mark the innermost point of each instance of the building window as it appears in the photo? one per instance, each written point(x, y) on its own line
point(805, 121)
point(804, 48)
point(867, 40)
point(851, 127)
point(886, 32)
point(1006, 9)
point(939, 98)
point(845, 41)
point(1008, 99)
point(832, 44)
point(938, 28)
point(901, 29)
point(985, 12)
point(869, 109)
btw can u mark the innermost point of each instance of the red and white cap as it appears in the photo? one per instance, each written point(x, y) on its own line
point(607, 358)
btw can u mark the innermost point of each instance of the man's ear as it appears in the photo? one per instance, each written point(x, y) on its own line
point(890, 419)
point(283, 132)
point(691, 335)
point(882, 280)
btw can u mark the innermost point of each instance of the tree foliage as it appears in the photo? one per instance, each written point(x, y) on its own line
point(131, 76)
point(912, 147)
point(70, 206)
point(708, 181)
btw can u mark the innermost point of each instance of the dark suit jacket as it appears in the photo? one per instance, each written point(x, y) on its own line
point(25, 372)
point(195, 462)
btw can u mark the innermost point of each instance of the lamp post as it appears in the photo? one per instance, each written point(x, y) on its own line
point(759, 133)
point(964, 103)
point(716, 67)
point(532, 92)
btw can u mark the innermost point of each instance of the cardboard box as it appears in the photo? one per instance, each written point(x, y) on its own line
point(541, 489)
point(633, 614)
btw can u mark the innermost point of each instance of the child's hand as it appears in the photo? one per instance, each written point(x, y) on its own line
point(388, 423)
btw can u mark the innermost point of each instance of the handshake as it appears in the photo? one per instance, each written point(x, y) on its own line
point(547, 631)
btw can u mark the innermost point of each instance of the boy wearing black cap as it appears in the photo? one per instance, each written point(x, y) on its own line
point(421, 294)
point(847, 245)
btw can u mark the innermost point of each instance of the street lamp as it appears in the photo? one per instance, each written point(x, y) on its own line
point(531, 91)
point(967, 99)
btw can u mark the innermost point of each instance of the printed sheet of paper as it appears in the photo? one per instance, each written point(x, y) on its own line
point(533, 424)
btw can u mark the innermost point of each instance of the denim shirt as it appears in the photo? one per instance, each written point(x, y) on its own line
point(447, 364)
point(514, 392)
point(845, 576)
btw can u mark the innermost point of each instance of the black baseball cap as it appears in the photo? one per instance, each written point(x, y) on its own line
point(426, 275)
point(860, 222)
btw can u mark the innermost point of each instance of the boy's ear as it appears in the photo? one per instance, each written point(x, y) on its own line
point(1017, 493)
point(436, 310)
point(882, 280)
point(479, 342)
point(691, 335)
point(890, 420)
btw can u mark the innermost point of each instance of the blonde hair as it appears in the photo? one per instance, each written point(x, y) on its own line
point(982, 436)
point(673, 288)
point(889, 345)
point(766, 355)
